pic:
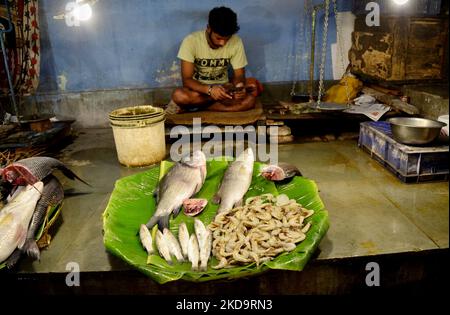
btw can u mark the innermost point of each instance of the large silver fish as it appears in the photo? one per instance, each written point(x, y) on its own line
point(31, 170)
point(15, 218)
point(235, 182)
point(52, 195)
point(182, 181)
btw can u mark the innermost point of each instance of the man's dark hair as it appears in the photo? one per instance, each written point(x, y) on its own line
point(223, 21)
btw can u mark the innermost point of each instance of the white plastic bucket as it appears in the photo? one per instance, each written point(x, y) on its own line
point(139, 134)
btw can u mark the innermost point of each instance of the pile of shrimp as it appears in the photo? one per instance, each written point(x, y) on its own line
point(263, 228)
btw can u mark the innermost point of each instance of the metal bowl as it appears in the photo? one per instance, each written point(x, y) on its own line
point(410, 130)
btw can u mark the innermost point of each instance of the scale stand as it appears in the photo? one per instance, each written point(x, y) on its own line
point(311, 97)
point(5, 60)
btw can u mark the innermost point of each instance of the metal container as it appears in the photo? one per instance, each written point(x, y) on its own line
point(409, 130)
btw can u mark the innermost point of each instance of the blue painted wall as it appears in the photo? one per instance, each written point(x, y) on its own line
point(134, 43)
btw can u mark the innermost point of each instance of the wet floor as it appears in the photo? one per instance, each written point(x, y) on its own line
point(371, 211)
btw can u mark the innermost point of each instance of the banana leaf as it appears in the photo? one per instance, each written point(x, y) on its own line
point(132, 203)
point(52, 214)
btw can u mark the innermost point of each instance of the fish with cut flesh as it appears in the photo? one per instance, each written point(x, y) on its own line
point(194, 206)
point(31, 170)
point(280, 172)
point(15, 218)
point(235, 182)
point(182, 181)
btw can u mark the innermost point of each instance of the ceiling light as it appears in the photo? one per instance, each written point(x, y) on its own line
point(400, 2)
point(82, 12)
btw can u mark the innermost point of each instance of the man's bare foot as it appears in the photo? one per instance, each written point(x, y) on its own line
point(172, 108)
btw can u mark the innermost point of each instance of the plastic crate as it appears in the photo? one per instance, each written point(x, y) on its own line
point(409, 163)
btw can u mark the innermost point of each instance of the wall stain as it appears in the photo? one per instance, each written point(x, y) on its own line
point(171, 76)
point(62, 81)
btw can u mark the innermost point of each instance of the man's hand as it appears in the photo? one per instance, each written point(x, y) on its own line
point(239, 92)
point(218, 93)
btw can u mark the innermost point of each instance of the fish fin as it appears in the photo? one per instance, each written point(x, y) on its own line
point(239, 203)
point(162, 221)
point(13, 258)
point(31, 248)
point(21, 236)
point(69, 174)
point(216, 199)
point(156, 194)
point(176, 212)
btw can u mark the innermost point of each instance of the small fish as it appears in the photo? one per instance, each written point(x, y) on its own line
point(163, 247)
point(193, 252)
point(183, 237)
point(236, 182)
point(15, 218)
point(194, 206)
point(280, 172)
point(204, 238)
point(31, 170)
point(174, 246)
point(182, 181)
point(205, 251)
point(146, 239)
point(52, 195)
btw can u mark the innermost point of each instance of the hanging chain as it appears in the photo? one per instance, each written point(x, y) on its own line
point(296, 64)
point(341, 49)
point(324, 52)
point(301, 37)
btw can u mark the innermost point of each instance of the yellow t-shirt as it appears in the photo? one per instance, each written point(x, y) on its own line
point(211, 65)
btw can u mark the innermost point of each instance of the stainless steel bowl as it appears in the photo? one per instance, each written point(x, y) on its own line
point(410, 130)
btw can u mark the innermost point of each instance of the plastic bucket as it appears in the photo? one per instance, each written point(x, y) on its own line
point(139, 134)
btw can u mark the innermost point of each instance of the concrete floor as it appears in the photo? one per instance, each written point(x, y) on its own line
point(372, 214)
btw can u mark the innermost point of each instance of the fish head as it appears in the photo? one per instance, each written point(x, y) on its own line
point(18, 175)
point(273, 172)
point(196, 159)
point(9, 175)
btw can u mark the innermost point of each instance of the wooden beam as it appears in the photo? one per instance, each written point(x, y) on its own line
point(392, 101)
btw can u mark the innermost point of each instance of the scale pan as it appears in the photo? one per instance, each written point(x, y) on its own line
point(325, 106)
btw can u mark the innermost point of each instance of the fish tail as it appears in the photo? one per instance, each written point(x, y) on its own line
point(162, 221)
point(68, 173)
point(176, 212)
point(30, 247)
point(151, 223)
point(202, 267)
point(224, 207)
point(13, 258)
